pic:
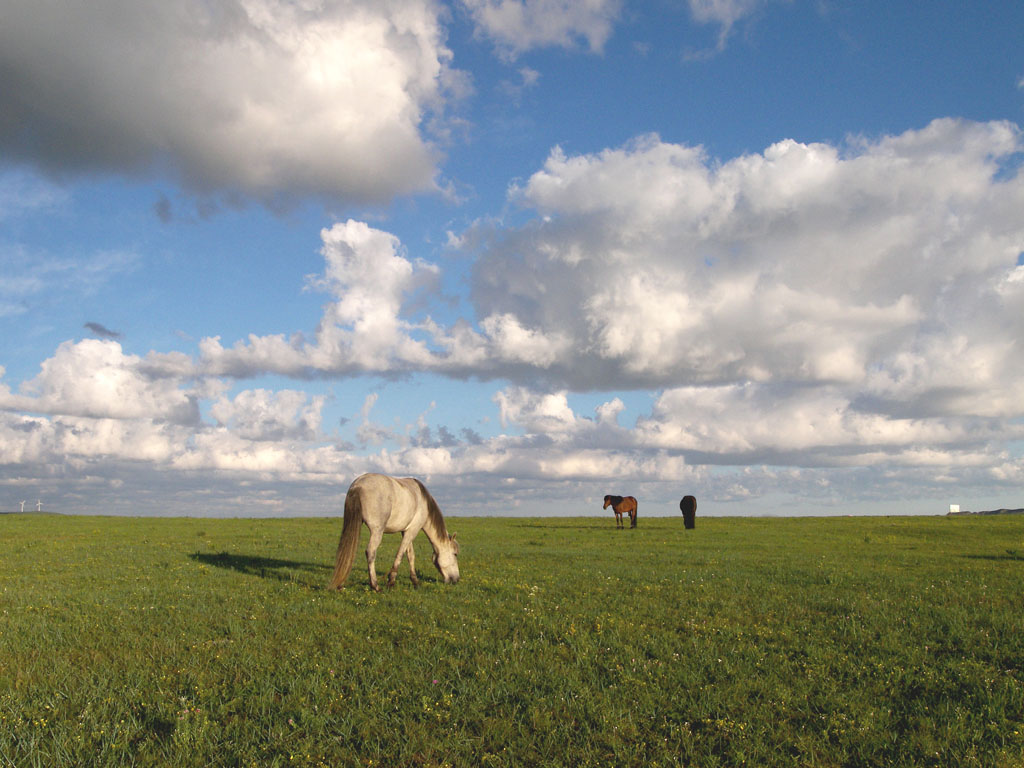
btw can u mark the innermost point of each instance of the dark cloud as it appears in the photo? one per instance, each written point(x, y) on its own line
point(115, 85)
point(102, 331)
point(163, 210)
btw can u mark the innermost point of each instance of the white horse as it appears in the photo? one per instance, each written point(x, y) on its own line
point(393, 505)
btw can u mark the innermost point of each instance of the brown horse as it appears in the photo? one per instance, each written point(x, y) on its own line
point(622, 505)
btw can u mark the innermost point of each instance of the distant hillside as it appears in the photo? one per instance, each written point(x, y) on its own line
point(992, 512)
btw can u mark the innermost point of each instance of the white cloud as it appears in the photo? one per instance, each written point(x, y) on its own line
point(32, 279)
point(833, 306)
point(72, 442)
point(264, 97)
point(21, 192)
point(517, 26)
point(94, 378)
point(259, 414)
point(364, 329)
point(740, 424)
point(537, 412)
point(369, 277)
point(512, 342)
point(370, 433)
point(843, 320)
point(808, 304)
point(725, 13)
point(807, 263)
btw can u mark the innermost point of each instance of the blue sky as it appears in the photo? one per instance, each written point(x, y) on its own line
point(766, 253)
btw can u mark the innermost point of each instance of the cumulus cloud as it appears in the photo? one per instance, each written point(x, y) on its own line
point(260, 414)
point(367, 326)
point(833, 318)
point(369, 277)
point(111, 417)
point(806, 263)
point(268, 98)
point(537, 412)
point(813, 304)
point(517, 26)
point(94, 378)
point(122, 432)
point(753, 423)
point(868, 295)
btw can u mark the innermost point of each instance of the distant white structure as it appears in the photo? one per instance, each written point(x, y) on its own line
point(954, 509)
point(39, 506)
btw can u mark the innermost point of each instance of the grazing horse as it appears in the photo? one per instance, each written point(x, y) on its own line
point(688, 506)
point(621, 505)
point(393, 505)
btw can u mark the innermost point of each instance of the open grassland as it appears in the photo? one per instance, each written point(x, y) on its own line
point(795, 642)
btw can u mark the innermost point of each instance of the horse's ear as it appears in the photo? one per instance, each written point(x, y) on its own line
point(453, 536)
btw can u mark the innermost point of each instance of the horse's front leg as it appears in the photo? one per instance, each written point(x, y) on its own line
point(405, 548)
point(371, 557)
point(411, 553)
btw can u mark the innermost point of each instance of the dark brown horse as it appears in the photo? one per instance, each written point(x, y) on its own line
point(688, 506)
point(622, 505)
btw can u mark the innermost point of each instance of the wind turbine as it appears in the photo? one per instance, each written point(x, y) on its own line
point(23, 507)
point(39, 506)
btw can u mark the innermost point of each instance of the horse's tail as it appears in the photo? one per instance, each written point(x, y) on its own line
point(349, 538)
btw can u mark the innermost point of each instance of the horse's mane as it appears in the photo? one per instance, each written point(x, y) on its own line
point(616, 500)
point(433, 510)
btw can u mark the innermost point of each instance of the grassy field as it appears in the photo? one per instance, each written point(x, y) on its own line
point(793, 642)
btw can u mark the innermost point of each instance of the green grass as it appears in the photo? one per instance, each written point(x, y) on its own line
point(795, 642)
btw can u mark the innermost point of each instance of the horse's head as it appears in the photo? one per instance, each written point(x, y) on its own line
point(607, 501)
point(446, 559)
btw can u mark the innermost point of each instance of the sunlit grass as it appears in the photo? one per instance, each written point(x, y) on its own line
point(805, 642)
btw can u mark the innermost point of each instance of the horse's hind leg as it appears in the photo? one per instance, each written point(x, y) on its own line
point(371, 556)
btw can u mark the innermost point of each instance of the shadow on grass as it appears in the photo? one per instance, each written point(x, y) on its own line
point(285, 570)
point(256, 565)
point(1008, 556)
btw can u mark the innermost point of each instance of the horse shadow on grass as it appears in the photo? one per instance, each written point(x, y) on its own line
point(293, 571)
point(1010, 555)
point(264, 567)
